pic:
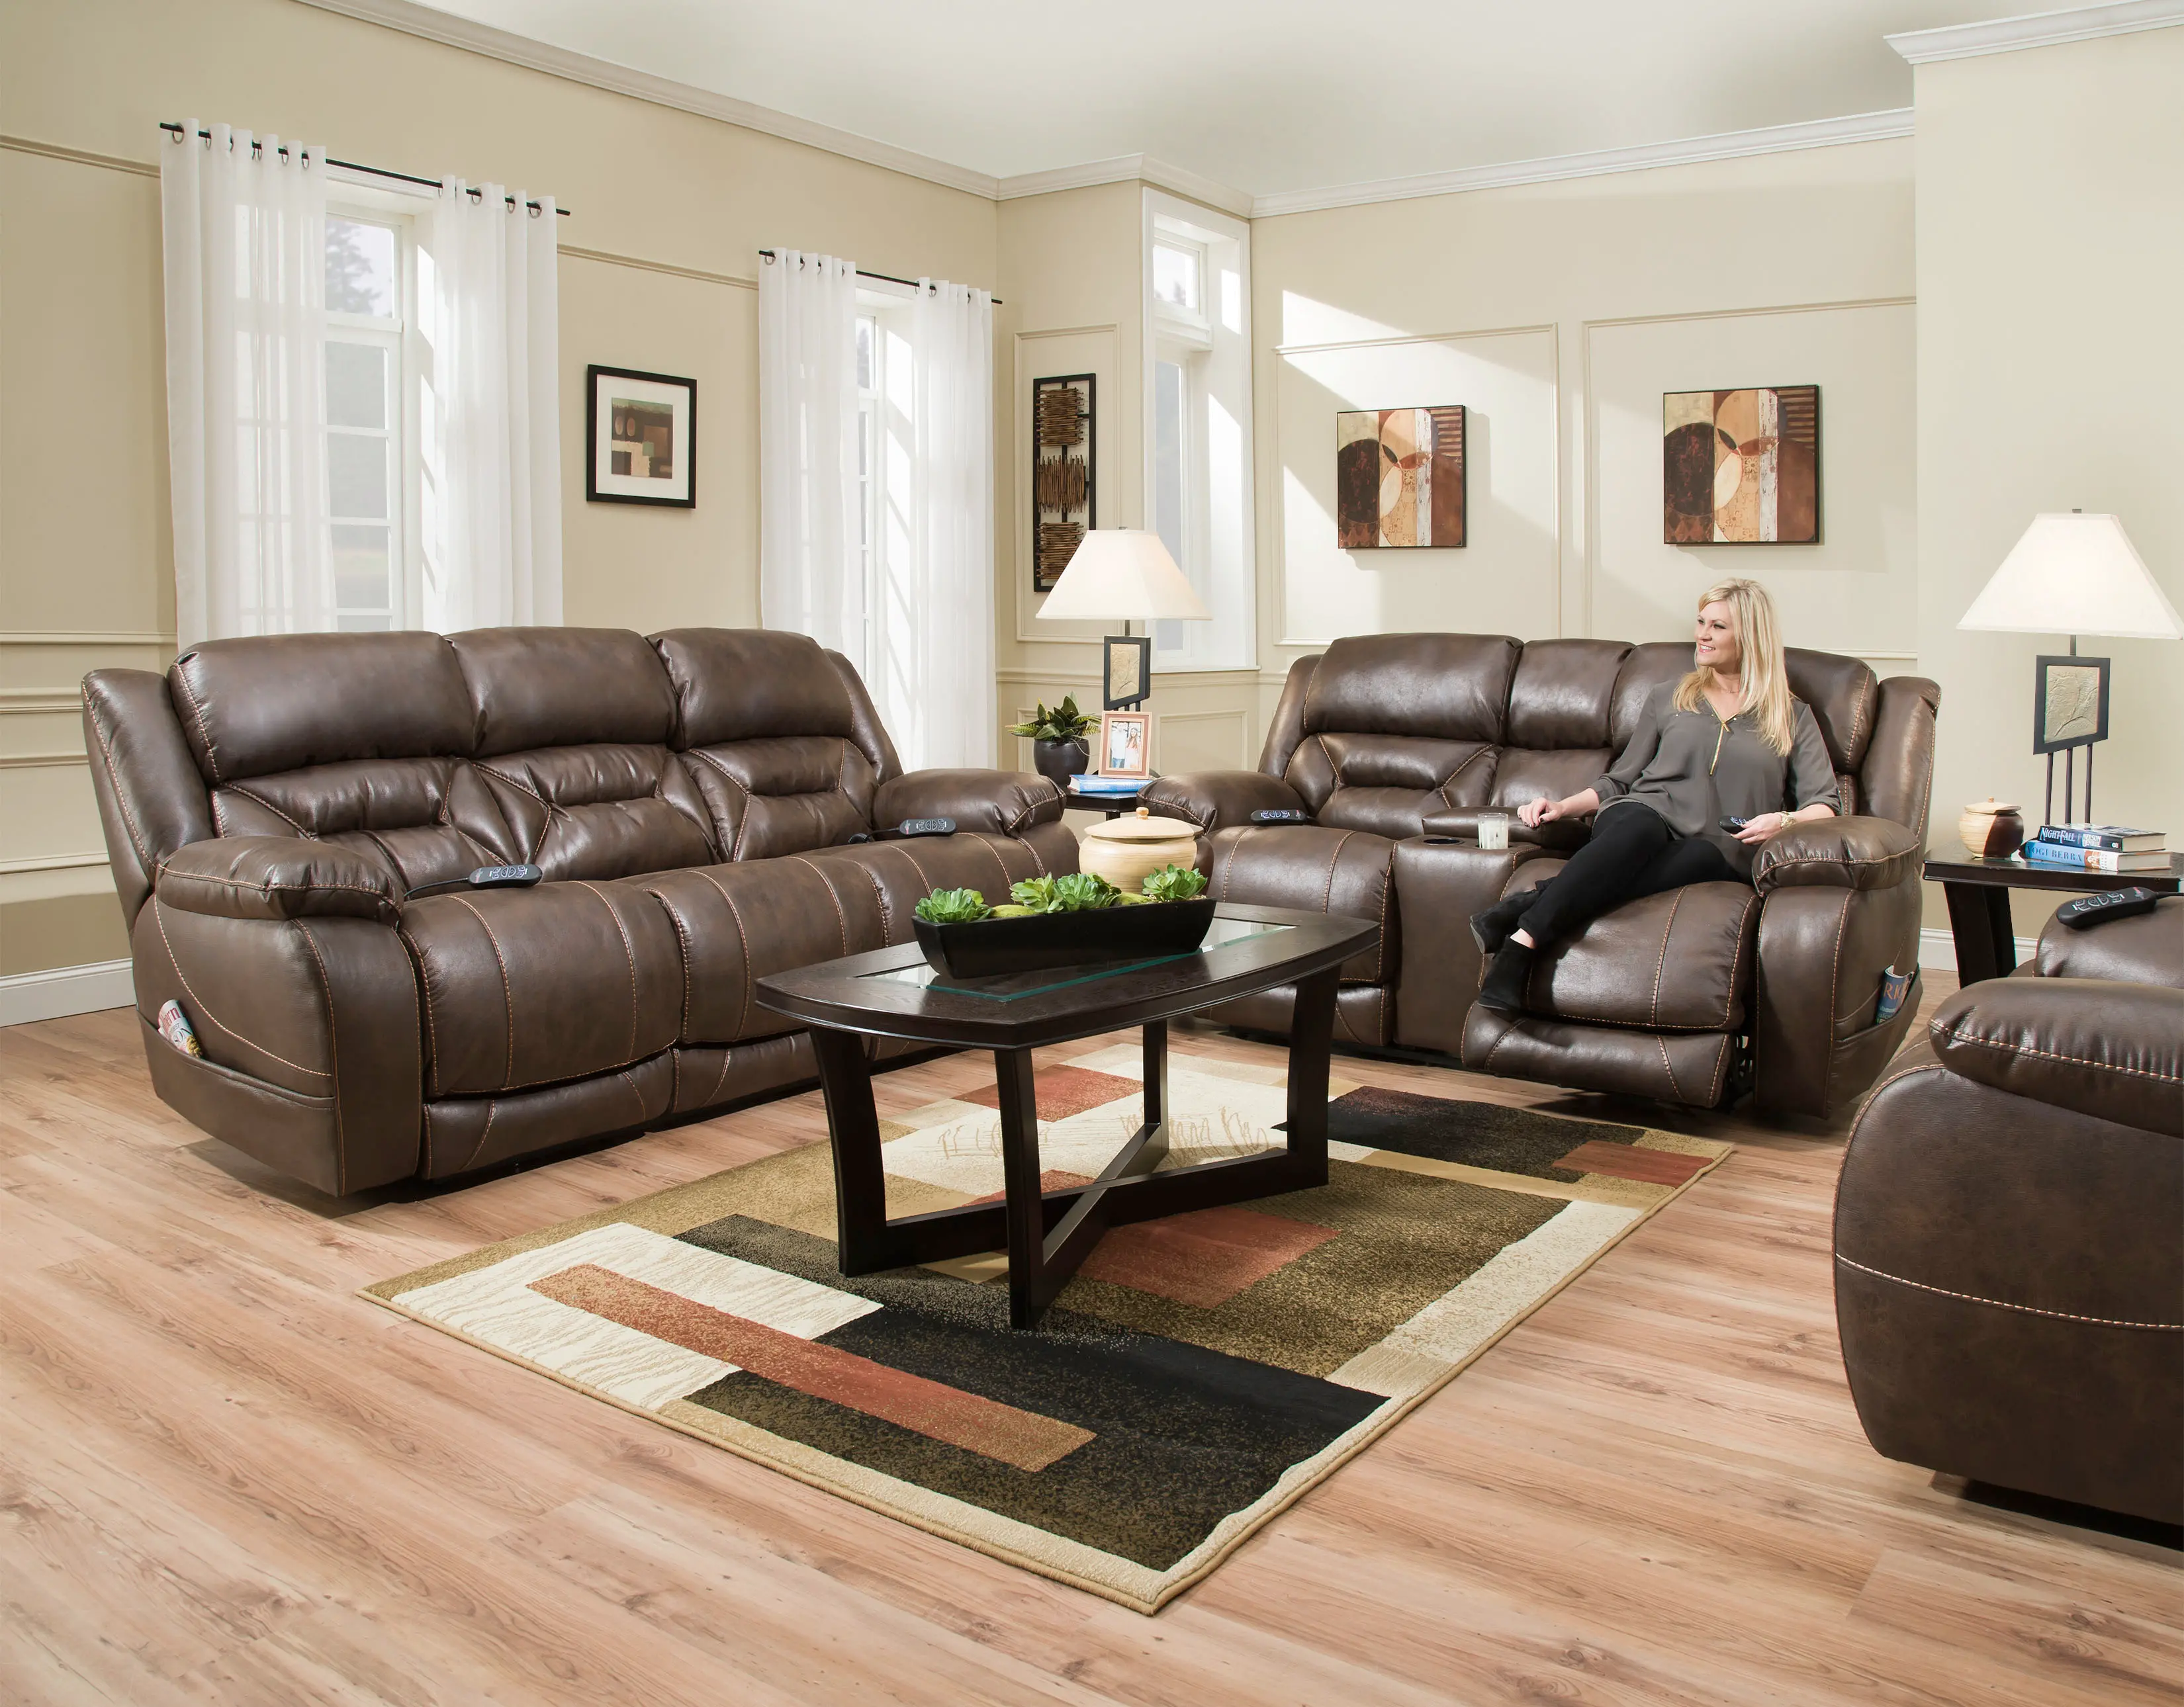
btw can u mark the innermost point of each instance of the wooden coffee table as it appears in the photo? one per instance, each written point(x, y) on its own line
point(891, 992)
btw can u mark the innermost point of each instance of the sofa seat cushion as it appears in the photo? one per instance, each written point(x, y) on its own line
point(536, 987)
point(1314, 869)
point(1682, 961)
point(739, 922)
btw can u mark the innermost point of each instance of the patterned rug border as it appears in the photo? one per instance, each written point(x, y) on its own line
point(1231, 1533)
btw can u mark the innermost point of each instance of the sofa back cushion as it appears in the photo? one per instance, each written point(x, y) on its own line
point(573, 745)
point(768, 733)
point(1844, 694)
point(355, 739)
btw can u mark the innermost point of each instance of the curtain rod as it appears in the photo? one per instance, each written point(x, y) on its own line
point(863, 273)
point(257, 147)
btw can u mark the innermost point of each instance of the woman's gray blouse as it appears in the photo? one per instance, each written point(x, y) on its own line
point(1694, 770)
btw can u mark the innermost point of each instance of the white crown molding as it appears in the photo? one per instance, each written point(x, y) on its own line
point(1774, 139)
point(1126, 169)
point(2040, 30)
point(412, 20)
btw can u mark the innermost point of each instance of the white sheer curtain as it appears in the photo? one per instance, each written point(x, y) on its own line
point(243, 235)
point(492, 412)
point(811, 576)
point(945, 713)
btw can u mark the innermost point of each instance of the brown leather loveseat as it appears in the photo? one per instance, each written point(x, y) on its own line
point(271, 804)
point(2009, 1228)
point(1395, 743)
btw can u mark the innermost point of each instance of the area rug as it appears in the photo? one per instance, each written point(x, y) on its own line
point(1196, 1376)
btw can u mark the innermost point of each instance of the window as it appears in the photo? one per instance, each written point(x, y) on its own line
point(370, 403)
point(885, 451)
point(1198, 390)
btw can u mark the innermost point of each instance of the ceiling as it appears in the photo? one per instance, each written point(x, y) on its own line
point(1263, 96)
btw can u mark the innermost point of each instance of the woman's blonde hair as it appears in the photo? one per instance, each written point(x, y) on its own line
point(1766, 675)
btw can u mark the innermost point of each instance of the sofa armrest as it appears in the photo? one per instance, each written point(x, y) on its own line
point(1837, 853)
point(1461, 824)
point(2147, 948)
point(2115, 1051)
point(277, 877)
point(1005, 802)
point(1216, 799)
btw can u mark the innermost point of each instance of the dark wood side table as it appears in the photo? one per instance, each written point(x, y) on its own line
point(1113, 805)
point(891, 992)
point(1978, 893)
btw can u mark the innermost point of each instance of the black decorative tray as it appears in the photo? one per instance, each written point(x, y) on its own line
point(992, 948)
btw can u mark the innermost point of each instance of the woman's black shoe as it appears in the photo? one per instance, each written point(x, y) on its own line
point(1491, 926)
point(1507, 979)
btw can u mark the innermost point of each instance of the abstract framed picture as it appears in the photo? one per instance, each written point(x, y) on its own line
point(1126, 669)
point(1741, 467)
point(640, 438)
point(1399, 477)
point(1125, 743)
point(2069, 702)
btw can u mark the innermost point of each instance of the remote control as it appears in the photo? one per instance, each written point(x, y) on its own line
point(1280, 814)
point(926, 827)
point(2098, 909)
point(1733, 824)
point(505, 876)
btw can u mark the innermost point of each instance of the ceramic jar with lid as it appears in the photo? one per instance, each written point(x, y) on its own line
point(1127, 850)
point(1991, 829)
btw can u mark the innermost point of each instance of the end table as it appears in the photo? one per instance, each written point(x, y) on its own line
point(1978, 893)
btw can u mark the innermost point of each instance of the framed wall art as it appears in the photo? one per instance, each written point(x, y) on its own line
point(1741, 467)
point(1064, 477)
point(640, 438)
point(1399, 477)
point(1126, 671)
point(1126, 739)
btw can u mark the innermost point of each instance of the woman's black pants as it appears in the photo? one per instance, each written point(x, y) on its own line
point(1633, 853)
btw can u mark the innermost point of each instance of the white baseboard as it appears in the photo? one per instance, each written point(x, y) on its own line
point(65, 990)
point(1937, 950)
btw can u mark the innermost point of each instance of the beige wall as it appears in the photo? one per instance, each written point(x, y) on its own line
point(670, 209)
point(2051, 240)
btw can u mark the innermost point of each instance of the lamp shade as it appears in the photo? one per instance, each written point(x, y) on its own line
point(1127, 574)
point(2074, 574)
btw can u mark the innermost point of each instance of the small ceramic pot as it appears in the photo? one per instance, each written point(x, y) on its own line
point(1991, 829)
point(1126, 851)
point(1059, 760)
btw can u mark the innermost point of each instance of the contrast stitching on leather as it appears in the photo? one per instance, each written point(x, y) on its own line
point(507, 990)
point(683, 937)
point(1509, 1030)
point(1668, 1067)
point(2003, 1303)
point(432, 1032)
point(1333, 859)
point(1332, 766)
point(628, 953)
point(1660, 965)
point(259, 799)
point(1835, 976)
point(743, 938)
point(113, 778)
point(492, 1110)
point(269, 887)
point(197, 716)
point(915, 866)
point(841, 918)
point(674, 1076)
point(183, 979)
point(1449, 780)
point(993, 853)
point(333, 1041)
point(727, 1054)
point(643, 1114)
point(219, 813)
point(1729, 1001)
point(1720, 1071)
point(879, 895)
point(1949, 1037)
point(428, 1141)
point(742, 824)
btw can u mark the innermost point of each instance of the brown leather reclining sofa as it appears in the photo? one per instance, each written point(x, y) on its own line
point(2009, 1228)
point(270, 805)
point(1394, 743)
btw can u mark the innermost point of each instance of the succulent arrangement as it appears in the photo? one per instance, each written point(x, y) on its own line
point(1075, 892)
point(1064, 722)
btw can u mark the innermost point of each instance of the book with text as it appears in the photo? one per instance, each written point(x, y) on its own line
point(2111, 838)
point(2058, 857)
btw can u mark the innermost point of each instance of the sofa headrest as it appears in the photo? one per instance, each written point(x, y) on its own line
point(751, 684)
point(532, 688)
point(1645, 668)
point(1565, 693)
point(278, 702)
point(1843, 694)
point(1449, 687)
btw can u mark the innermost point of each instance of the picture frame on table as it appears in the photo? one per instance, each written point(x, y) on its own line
point(1126, 671)
point(2069, 702)
point(1126, 741)
point(640, 438)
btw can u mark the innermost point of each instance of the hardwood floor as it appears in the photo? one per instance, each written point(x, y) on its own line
point(223, 1478)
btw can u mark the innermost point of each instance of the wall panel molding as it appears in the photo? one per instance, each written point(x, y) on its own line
point(39, 761)
point(51, 862)
point(55, 636)
point(78, 157)
point(612, 260)
point(2040, 30)
point(61, 991)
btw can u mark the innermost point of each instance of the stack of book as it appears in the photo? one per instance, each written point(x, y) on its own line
point(2097, 847)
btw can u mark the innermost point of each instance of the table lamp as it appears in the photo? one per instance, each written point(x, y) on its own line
point(2072, 574)
point(1124, 574)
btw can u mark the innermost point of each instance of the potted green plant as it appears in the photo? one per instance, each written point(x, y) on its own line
point(1075, 920)
point(1058, 745)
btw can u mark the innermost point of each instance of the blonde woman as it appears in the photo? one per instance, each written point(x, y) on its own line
point(1720, 761)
